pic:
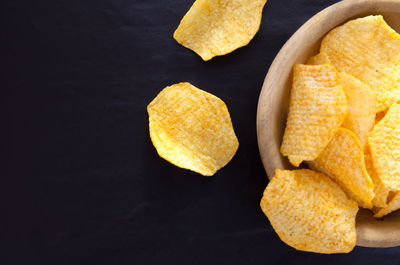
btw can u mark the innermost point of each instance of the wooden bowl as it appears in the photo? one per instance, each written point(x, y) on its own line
point(274, 101)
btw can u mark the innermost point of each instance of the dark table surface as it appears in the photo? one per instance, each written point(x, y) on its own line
point(84, 185)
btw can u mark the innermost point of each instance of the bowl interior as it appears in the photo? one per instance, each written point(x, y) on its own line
point(274, 101)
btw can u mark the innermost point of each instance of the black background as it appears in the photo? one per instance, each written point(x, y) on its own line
point(83, 183)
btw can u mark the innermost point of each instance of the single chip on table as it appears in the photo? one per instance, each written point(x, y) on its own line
point(310, 212)
point(368, 49)
point(320, 58)
point(217, 27)
point(392, 206)
point(317, 108)
point(384, 145)
point(192, 129)
point(343, 161)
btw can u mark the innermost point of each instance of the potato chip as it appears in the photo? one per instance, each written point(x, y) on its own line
point(361, 106)
point(343, 161)
point(317, 108)
point(310, 212)
point(192, 129)
point(381, 193)
point(360, 101)
point(218, 27)
point(320, 58)
point(368, 49)
point(384, 145)
point(393, 205)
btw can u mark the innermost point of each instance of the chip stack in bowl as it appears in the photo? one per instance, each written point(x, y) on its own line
point(343, 122)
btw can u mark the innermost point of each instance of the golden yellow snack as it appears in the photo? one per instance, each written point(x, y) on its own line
point(360, 101)
point(343, 161)
point(361, 106)
point(310, 212)
point(217, 27)
point(320, 58)
point(381, 193)
point(392, 206)
point(384, 145)
point(368, 49)
point(192, 129)
point(317, 108)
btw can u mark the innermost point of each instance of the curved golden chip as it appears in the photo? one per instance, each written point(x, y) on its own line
point(343, 161)
point(368, 49)
point(361, 106)
point(392, 206)
point(217, 27)
point(381, 193)
point(317, 108)
point(384, 145)
point(320, 58)
point(310, 212)
point(192, 129)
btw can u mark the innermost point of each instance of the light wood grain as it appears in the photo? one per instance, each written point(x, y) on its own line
point(274, 100)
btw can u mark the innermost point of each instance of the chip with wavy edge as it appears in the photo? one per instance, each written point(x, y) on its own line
point(310, 212)
point(368, 49)
point(392, 206)
point(317, 108)
point(360, 101)
point(192, 129)
point(320, 58)
point(217, 27)
point(361, 106)
point(380, 192)
point(384, 145)
point(343, 161)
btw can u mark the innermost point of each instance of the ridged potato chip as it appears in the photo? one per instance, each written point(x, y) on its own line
point(380, 192)
point(381, 195)
point(361, 106)
point(320, 58)
point(343, 161)
point(360, 101)
point(317, 108)
point(392, 206)
point(384, 145)
point(310, 212)
point(217, 27)
point(368, 49)
point(192, 129)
